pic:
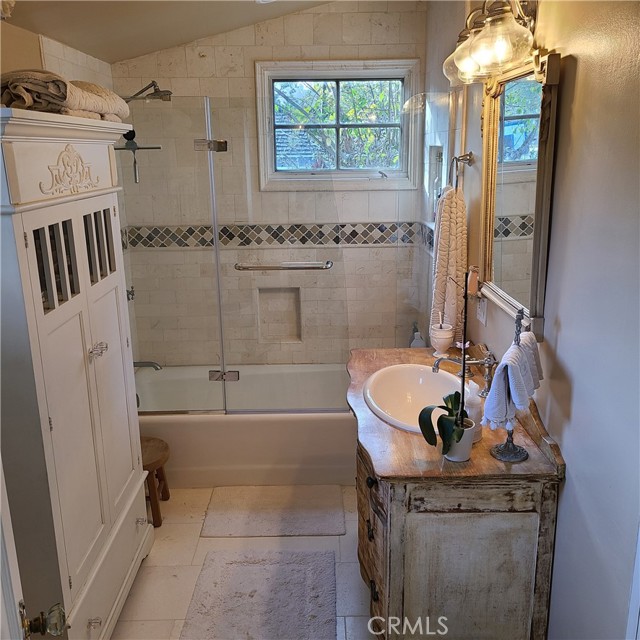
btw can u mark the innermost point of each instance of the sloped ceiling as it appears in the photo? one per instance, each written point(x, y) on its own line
point(119, 29)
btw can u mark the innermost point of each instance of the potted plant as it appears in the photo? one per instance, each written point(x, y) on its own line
point(454, 427)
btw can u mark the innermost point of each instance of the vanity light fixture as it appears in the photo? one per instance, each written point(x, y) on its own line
point(495, 38)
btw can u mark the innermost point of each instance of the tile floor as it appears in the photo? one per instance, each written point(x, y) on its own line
point(161, 593)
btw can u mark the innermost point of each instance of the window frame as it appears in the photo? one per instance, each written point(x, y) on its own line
point(407, 177)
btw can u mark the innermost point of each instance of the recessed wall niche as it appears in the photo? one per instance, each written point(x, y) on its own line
point(279, 317)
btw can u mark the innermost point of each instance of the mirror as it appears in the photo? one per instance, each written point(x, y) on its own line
point(518, 128)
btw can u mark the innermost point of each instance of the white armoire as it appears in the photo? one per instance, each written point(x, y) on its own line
point(69, 428)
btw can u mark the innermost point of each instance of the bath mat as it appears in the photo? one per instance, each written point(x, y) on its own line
point(301, 510)
point(269, 595)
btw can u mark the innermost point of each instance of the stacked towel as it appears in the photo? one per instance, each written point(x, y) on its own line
point(47, 91)
point(517, 377)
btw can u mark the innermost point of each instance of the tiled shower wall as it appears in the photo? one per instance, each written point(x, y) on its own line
point(375, 289)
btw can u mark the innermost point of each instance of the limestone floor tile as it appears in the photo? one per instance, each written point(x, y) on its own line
point(160, 593)
point(286, 543)
point(340, 629)
point(174, 544)
point(349, 501)
point(352, 595)
point(186, 506)
point(144, 630)
point(349, 542)
point(357, 628)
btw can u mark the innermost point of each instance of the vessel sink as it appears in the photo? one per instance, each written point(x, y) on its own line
point(398, 393)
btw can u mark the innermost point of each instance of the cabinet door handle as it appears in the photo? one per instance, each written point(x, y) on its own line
point(374, 592)
point(369, 530)
point(98, 350)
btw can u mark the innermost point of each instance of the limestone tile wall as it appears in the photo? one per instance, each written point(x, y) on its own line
point(73, 64)
point(371, 296)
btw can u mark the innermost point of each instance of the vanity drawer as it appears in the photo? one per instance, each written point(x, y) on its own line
point(370, 489)
point(473, 497)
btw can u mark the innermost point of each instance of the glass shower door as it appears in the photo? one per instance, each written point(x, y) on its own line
point(282, 281)
point(169, 258)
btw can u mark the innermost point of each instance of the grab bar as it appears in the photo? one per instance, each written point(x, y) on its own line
point(284, 266)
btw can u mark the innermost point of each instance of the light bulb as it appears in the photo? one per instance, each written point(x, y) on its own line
point(463, 60)
point(502, 43)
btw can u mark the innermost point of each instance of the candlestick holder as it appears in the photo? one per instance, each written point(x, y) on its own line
point(509, 451)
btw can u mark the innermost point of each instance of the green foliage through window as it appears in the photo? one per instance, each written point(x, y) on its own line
point(327, 125)
point(520, 121)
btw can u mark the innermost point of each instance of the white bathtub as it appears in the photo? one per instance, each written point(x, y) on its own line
point(315, 445)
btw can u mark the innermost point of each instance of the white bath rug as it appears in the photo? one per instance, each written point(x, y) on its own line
point(269, 595)
point(314, 510)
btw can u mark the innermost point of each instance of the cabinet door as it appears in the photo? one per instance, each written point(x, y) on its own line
point(54, 256)
point(476, 570)
point(113, 363)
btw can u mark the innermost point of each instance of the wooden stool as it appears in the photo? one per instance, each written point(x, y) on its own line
point(155, 453)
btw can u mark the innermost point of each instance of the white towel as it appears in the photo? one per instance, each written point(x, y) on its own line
point(449, 259)
point(511, 389)
point(530, 345)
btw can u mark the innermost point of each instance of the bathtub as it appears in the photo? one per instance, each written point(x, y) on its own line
point(295, 427)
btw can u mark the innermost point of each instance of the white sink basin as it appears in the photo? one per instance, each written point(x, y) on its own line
point(398, 393)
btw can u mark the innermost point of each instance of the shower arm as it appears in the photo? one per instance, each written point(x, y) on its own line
point(152, 85)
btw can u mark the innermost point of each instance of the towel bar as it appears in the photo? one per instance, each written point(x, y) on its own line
point(284, 266)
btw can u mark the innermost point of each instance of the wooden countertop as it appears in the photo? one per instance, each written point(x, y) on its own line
point(401, 455)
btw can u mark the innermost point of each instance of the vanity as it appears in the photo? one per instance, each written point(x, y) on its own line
point(457, 549)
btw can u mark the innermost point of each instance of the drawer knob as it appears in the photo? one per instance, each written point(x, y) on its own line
point(374, 592)
point(371, 482)
point(141, 521)
point(369, 530)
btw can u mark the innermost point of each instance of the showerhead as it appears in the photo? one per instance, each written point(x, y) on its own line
point(156, 94)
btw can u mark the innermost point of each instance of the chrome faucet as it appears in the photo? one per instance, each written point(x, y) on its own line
point(488, 362)
point(148, 363)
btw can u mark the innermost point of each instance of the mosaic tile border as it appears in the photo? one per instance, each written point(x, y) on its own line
point(513, 227)
point(280, 235)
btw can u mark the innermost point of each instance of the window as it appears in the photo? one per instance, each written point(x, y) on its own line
point(336, 121)
point(520, 122)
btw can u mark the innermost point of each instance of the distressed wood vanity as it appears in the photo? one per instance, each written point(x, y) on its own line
point(470, 542)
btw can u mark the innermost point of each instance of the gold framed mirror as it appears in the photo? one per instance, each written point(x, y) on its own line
point(518, 136)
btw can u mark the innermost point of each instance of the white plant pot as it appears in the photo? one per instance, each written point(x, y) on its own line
point(461, 451)
point(441, 338)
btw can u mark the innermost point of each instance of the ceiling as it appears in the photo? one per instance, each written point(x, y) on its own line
point(123, 29)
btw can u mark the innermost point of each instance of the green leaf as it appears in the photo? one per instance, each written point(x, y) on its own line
point(426, 425)
point(446, 427)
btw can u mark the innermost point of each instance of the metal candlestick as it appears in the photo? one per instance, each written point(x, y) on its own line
point(509, 451)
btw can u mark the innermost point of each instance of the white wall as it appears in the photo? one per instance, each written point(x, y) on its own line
point(589, 398)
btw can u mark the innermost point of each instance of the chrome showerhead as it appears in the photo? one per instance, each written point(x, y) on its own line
point(156, 94)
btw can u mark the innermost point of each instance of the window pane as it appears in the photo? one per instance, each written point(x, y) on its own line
point(375, 101)
point(520, 140)
point(305, 149)
point(370, 148)
point(522, 97)
point(304, 102)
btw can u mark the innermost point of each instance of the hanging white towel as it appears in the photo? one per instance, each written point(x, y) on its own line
point(530, 345)
point(510, 390)
point(449, 259)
